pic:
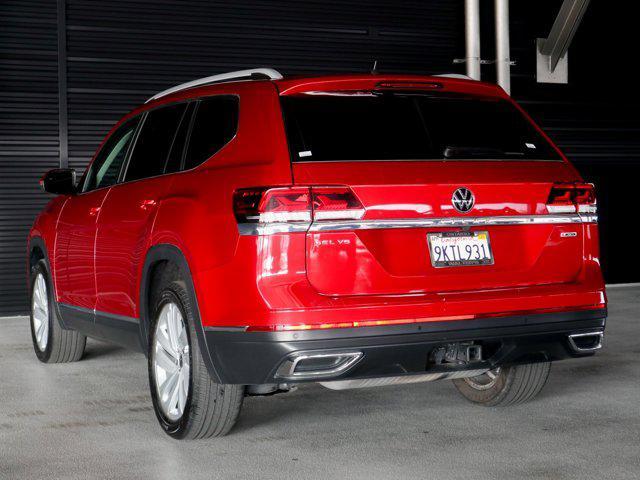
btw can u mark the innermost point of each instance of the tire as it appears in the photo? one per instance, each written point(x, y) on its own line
point(509, 385)
point(51, 342)
point(206, 409)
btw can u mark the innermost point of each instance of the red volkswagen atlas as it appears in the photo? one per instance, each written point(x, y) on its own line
point(248, 232)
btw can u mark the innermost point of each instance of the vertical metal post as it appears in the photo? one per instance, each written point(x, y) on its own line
point(63, 128)
point(472, 37)
point(503, 61)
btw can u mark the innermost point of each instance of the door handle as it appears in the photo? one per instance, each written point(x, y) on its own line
point(147, 204)
point(93, 211)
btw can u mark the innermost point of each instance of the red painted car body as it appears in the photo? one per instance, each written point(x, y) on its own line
point(377, 272)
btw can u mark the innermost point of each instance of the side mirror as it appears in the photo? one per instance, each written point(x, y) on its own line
point(60, 181)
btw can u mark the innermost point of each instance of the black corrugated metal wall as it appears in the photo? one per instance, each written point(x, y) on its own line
point(594, 119)
point(120, 52)
point(28, 132)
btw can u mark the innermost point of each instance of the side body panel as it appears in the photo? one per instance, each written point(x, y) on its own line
point(123, 234)
point(74, 267)
point(43, 232)
point(196, 214)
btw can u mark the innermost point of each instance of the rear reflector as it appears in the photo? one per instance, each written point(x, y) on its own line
point(296, 204)
point(572, 198)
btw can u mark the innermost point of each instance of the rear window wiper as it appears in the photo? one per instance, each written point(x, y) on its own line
point(453, 151)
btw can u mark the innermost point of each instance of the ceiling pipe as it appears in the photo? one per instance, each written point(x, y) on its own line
point(503, 61)
point(472, 37)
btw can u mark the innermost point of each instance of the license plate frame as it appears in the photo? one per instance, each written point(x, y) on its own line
point(453, 255)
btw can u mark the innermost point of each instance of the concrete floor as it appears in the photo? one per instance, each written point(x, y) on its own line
point(93, 419)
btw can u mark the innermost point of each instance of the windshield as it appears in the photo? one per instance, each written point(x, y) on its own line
point(352, 126)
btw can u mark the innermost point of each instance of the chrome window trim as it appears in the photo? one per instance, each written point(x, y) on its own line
point(346, 225)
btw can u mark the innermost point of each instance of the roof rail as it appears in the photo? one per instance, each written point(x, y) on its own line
point(455, 75)
point(250, 74)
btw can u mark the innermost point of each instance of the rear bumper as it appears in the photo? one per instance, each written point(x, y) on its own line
point(254, 358)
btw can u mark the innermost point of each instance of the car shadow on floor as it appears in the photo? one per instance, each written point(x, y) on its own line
point(575, 376)
point(97, 349)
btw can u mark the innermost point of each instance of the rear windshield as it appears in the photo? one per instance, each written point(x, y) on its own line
point(408, 126)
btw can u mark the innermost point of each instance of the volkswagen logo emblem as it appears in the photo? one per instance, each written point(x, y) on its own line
point(463, 200)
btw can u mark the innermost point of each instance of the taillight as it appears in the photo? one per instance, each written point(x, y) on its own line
point(295, 204)
point(584, 194)
point(281, 205)
point(335, 203)
point(272, 205)
point(245, 204)
point(572, 198)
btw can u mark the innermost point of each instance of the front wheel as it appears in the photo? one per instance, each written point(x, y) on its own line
point(505, 385)
point(51, 342)
point(187, 402)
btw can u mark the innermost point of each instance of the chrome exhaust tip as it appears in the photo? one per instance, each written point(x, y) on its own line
point(317, 364)
point(586, 342)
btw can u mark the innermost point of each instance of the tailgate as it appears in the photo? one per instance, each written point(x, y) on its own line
point(405, 152)
point(387, 250)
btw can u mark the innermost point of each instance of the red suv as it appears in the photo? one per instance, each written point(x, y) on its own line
point(248, 232)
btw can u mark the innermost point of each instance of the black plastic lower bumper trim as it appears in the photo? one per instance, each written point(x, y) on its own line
point(254, 357)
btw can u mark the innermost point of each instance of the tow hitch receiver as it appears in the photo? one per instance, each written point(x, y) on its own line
point(457, 353)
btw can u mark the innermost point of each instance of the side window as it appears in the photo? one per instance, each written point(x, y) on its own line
point(215, 124)
point(180, 140)
point(154, 141)
point(105, 169)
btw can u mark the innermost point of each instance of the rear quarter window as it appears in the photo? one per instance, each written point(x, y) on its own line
point(156, 135)
point(214, 125)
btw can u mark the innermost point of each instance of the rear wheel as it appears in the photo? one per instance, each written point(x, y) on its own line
point(505, 385)
point(187, 402)
point(51, 342)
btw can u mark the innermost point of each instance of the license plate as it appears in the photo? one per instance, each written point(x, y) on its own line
point(459, 249)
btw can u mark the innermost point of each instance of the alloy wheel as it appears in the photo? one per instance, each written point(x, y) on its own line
point(40, 312)
point(484, 381)
point(171, 361)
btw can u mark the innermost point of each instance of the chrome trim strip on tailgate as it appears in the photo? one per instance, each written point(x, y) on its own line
point(451, 222)
point(342, 225)
point(272, 228)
